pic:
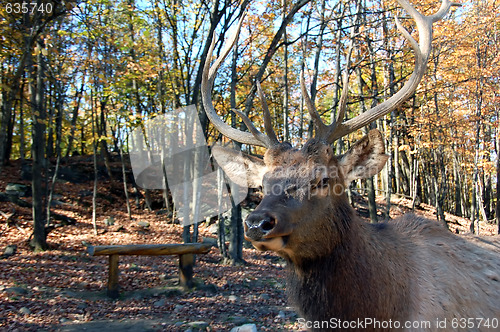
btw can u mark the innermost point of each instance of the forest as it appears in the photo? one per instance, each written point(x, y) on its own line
point(77, 77)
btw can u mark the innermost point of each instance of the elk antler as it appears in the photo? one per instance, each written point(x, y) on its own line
point(422, 50)
point(322, 130)
point(254, 137)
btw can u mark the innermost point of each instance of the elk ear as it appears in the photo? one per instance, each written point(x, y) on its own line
point(365, 159)
point(241, 168)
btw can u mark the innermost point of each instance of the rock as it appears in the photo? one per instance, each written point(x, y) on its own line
point(281, 315)
point(25, 311)
point(159, 303)
point(17, 189)
point(9, 250)
point(245, 328)
point(110, 221)
point(200, 325)
point(16, 291)
point(178, 307)
point(143, 224)
point(232, 298)
point(264, 296)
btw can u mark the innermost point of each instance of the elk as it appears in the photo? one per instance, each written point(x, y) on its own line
point(339, 268)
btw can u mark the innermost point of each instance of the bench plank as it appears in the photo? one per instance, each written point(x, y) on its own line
point(150, 249)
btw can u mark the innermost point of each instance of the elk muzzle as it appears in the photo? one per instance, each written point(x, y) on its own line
point(258, 225)
point(262, 229)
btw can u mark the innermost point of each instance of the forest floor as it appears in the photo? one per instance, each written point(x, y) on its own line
point(63, 289)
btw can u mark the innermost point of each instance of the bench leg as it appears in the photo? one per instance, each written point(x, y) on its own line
point(186, 270)
point(113, 287)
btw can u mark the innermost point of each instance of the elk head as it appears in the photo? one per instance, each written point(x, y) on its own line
point(304, 212)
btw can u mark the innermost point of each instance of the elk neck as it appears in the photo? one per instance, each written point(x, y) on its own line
point(365, 274)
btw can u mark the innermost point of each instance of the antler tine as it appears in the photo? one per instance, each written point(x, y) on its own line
point(268, 126)
point(323, 131)
point(336, 125)
point(321, 128)
point(422, 50)
point(254, 137)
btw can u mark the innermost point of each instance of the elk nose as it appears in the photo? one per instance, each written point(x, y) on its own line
point(258, 225)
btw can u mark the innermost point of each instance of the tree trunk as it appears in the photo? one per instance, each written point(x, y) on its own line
point(59, 115)
point(415, 183)
point(221, 229)
point(39, 241)
point(234, 254)
point(286, 130)
point(74, 118)
point(458, 196)
point(389, 167)
point(390, 78)
point(475, 177)
point(487, 196)
point(215, 17)
point(22, 150)
point(302, 69)
point(102, 132)
point(497, 208)
point(372, 205)
point(94, 150)
point(397, 176)
point(405, 172)
point(125, 187)
point(236, 238)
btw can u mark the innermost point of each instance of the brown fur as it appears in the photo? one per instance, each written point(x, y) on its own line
point(410, 269)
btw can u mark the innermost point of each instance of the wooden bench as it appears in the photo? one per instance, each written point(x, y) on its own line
point(185, 252)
